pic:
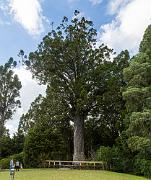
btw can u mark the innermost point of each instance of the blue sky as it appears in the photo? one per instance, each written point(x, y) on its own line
point(23, 24)
point(14, 35)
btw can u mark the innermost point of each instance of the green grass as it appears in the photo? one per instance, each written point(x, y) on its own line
point(58, 174)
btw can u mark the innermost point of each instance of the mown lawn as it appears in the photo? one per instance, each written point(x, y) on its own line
point(58, 174)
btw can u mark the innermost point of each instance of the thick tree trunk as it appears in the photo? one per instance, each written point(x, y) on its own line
point(78, 138)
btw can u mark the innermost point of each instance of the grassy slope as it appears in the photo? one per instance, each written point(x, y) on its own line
point(52, 174)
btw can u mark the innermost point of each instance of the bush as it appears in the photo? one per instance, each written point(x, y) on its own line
point(142, 167)
point(105, 154)
point(114, 160)
point(43, 143)
point(4, 163)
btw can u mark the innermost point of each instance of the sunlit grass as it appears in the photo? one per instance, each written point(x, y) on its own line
point(58, 174)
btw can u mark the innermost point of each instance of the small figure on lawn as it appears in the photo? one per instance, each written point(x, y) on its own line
point(12, 170)
point(21, 166)
point(17, 166)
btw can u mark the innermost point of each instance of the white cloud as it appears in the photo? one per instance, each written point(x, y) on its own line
point(3, 5)
point(96, 2)
point(28, 13)
point(115, 5)
point(127, 28)
point(4, 9)
point(30, 90)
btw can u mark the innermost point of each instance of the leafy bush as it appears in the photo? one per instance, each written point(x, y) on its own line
point(43, 143)
point(4, 163)
point(105, 154)
point(142, 167)
point(113, 159)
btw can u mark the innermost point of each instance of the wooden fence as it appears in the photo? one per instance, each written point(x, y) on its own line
point(74, 164)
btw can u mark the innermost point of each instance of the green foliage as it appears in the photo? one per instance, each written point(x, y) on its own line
point(48, 132)
point(5, 146)
point(140, 119)
point(44, 142)
point(142, 167)
point(104, 154)
point(18, 157)
point(10, 146)
point(137, 143)
point(34, 114)
point(4, 163)
point(9, 102)
point(138, 96)
point(9, 93)
point(106, 121)
point(115, 158)
point(145, 45)
point(78, 71)
point(69, 61)
point(17, 142)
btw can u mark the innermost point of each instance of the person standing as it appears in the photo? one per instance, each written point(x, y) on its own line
point(11, 170)
point(17, 166)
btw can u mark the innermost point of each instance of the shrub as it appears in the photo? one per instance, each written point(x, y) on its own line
point(4, 163)
point(113, 159)
point(42, 144)
point(142, 167)
point(105, 154)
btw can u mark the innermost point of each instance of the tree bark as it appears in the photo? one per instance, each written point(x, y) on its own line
point(1, 128)
point(78, 138)
point(1, 134)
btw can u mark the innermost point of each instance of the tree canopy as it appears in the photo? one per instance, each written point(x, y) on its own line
point(75, 68)
point(138, 101)
point(9, 93)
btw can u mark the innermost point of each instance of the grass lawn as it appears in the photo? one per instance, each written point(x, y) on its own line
point(58, 174)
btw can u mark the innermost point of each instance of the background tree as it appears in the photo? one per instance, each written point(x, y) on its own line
point(5, 145)
point(49, 134)
point(17, 142)
point(28, 120)
point(69, 61)
point(9, 93)
point(138, 103)
point(9, 97)
point(44, 142)
point(106, 123)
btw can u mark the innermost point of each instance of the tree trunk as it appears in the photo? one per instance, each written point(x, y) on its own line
point(1, 134)
point(78, 138)
point(1, 128)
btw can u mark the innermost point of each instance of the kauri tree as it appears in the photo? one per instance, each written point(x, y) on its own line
point(69, 61)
